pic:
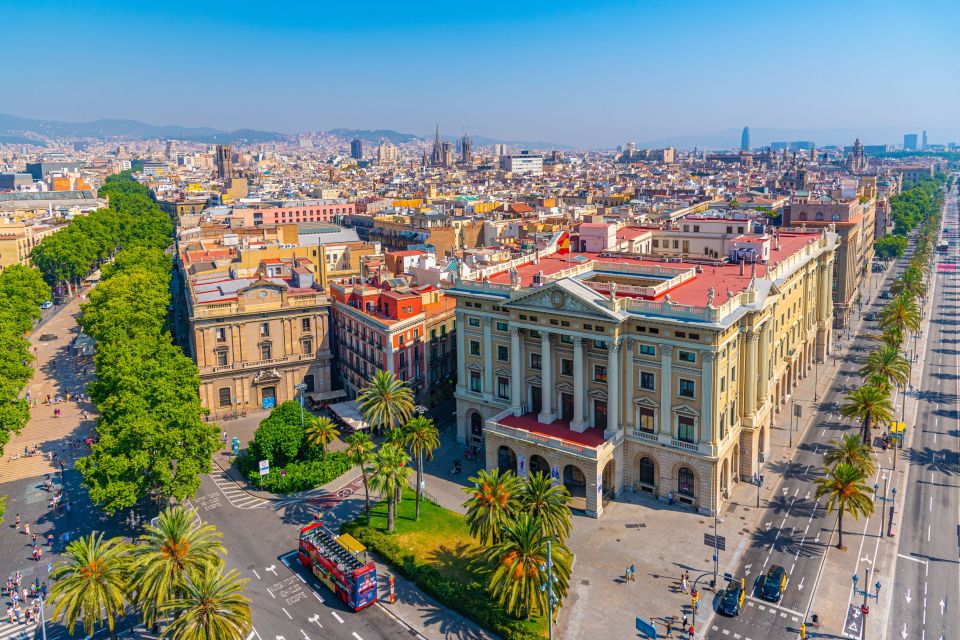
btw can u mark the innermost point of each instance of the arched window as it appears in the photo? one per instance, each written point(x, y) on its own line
point(685, 481)
point(647, 472)
point(803, 216)
point(820, 215)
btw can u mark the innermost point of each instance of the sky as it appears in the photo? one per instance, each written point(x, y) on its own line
point(587, 74)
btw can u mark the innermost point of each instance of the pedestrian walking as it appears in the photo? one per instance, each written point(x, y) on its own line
point(683, 583)
point(690, 631)
point(686, 620)
point(670, 498)
point(670, 628)
point(633, 572)
point(626, 575)
point(50, 540)
point(16, 522)
point(26, 528)
point(43, 590)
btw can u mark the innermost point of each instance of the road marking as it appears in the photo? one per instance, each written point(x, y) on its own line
point(725, 632)
point(807, 528)
point(797, 554)
point(255, 573)
point(315, 618)
point(357, 636)
point(272, 569)
point(271, 593)
point(791, 567)
point(822, 432)
point(800, 586)
point(931, 504)
point(305, 636)
point(928, 533)
point(317, 596)
point(337, 616)
point(286, 612)
point(301, 578)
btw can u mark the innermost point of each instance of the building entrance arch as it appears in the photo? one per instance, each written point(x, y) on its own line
point(506, 459)
point(539, 464)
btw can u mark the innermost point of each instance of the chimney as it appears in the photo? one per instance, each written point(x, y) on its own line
point(753, 269)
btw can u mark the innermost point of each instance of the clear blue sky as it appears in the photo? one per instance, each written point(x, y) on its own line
point(583, 73)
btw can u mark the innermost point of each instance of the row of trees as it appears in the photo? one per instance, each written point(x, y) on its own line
point(173, 576)
point(908, 210)
point(22, 290)
point(151, 439)
point(851, 461)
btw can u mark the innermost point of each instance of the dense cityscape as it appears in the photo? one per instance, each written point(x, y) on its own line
point(361, 384)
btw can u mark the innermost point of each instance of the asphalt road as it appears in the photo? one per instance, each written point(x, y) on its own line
point(796, 529)
point(926, 592)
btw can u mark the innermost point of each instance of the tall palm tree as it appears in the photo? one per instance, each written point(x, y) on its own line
point(902, 313)
point(893, 336)
point(169, 554)
point(549, 503)
point(494, 499)
point(394, 436)
point(519, 555)
point(385, 402)
point(846, 493)
point(360, 448)
point(212, 607)
point(887, 363)
point(423, 439)
point(869, 405)
point(910, 282)
point(850, 450)
point(90, 583)
point(390, 472)
point(321, 431)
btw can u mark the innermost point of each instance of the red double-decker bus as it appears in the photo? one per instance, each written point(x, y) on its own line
point(336, 562)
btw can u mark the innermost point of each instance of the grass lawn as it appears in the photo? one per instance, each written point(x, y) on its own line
point(441, 539)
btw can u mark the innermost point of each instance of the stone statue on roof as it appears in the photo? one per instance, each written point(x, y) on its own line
point(613, 290)
point(514, 278)
point(711, 293)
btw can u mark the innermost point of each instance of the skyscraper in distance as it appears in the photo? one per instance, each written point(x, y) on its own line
point(745, 139)
point(224, 161)
point(923, 140)
point(356, 149)
point(910, 141)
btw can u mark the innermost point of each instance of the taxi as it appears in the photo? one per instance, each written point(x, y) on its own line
point(731, 602)
point(773, 584)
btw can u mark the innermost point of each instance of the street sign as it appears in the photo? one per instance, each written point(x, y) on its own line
point(646, 628)
point(797, 410)
point(853, 625)
point(264, 467)
point(898, 427)
point(709, 540)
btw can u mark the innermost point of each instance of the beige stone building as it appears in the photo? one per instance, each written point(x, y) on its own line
point(615, 373)
point(255, 339)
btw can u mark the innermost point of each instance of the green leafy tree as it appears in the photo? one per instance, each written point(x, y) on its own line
point(385, 402)
point(901, 313)
point(517, 558)
point(549, 503)
point(494, 499)
point(422, 438)
point(869, 405)
point(390, 470)
point(360, 448)
point(212, 607)
point(890, 247)
point(846, 492)
point(167, 556)
point(887, 363)
point(321, 432)
point(850, 450)
point(90, 583)
point(280, 436)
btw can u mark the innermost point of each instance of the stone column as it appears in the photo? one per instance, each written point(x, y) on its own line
point(461, 355)
point(487, 346)
point(707, 397)
point(547, 414)
point(630, 384)
point(750, 374)
point(614, 398)
point(517, 396)
point(763, 368)
point(666, 392)
point(388, 351)
point(579, 423)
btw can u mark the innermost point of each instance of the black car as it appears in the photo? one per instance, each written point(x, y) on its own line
point(884, 294)
point(869, 316)
point(732, 599)
point(773, 584)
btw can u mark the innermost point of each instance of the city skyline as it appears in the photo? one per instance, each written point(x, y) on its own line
point(537, 72)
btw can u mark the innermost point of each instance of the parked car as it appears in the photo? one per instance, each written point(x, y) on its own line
point(774, 583)
point(732, 599)
point(870, 316)
point(884, 294)
point(47, 304)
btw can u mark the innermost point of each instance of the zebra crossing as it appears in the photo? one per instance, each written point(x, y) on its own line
point(18, 631)
point(236, 496)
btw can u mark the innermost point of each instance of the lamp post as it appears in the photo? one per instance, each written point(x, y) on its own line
point(301, 387)
point(865, 592)
point(548, 587)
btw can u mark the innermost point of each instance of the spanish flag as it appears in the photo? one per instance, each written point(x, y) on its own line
point(563, 244)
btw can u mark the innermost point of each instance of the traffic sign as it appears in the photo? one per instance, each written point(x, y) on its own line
point(646, 628)
point(709, 540)
point(264, 467)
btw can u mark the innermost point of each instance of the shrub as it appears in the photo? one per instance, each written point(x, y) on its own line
point(279, 437)
point(297, 476)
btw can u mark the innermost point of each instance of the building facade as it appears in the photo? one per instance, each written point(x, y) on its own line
point(614, 373)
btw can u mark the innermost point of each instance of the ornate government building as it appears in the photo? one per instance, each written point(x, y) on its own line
point(643, 372)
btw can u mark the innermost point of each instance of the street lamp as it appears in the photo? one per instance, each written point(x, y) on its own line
point(865, 592)
point(548, 587)
point(301, 387)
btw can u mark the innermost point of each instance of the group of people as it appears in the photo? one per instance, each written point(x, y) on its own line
point(24, 606)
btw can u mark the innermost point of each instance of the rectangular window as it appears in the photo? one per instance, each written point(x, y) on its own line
point(687, 388)
point(535, 361)
point(648, 381)
point(308, 347)
point(222, 358)
point(599, 373)
point(503, 387)
point(599, 344)
point(687, 356)
point(648, 350)
point(265, 352)
point(221, 334)
point(224, 396)
point(474, 347)
point(566, 367)
point(502, 326)
point(473, 322)
point(475, 384)
point(733, 374)
point(264, 329)
point(723, 383)
point(305, 324)
point(646, 420)
point(685, 429)
point(503, 354)
point(564, 338)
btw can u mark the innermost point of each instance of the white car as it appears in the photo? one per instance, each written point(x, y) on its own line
point(47, 304)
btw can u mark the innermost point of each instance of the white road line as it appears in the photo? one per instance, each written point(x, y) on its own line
point(271, 593)
point(928, 533)
point(286, 612)
point(355, 635)
point(255, 573)
point(337, 616)
point(301, 578)
point(931, 504)
point(791, 567)
point(317, 596)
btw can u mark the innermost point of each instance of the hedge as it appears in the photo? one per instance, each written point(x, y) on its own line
point(297, 476)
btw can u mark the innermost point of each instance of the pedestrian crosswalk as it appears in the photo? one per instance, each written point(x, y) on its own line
point(236, 496)
point(18, 631)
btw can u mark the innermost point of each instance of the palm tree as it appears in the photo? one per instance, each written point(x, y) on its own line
point(90, 583)
point(901, 313)
point(887, 363)
point(169, 554)
point(846, 493)
point(360, 449)
point(518, 556)
point(850, 450)
point(494, 499)
point(321, 431)
point(385, 402)
point(869, 405)
point(893, 336)
point(549, 503)
point(394, 436)
point(389, 477)
point(212, 607)
point(910, 282)
point(422, 438)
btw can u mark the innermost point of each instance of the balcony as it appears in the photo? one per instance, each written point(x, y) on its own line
point(683, 444)
point(645, 435)
point(557, 435)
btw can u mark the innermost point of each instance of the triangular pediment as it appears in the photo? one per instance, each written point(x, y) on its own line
point(565, 297)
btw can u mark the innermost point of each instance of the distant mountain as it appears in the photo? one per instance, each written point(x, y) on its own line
point(18, 139)
point(396, 137)
point(129, 129)
point(730, 138)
